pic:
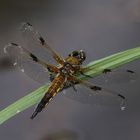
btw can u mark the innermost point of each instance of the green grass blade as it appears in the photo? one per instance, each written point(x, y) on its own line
point(94, 68)
point(22, 104)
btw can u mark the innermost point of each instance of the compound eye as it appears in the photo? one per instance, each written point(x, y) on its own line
point(75, 53)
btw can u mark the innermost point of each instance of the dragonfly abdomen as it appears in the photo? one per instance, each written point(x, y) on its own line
point(55, 87)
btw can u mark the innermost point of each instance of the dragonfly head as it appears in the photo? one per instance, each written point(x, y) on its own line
point(80, 55)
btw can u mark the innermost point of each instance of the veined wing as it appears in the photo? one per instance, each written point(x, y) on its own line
point(88, 93)
point(35, 43)
point(27, 62)
point(119, 76)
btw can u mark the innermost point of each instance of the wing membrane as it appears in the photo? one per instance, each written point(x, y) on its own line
point(35, 43)
point(88, 93)
point(27, 63)
point(117, 77)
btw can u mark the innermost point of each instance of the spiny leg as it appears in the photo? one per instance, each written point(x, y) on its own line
point(71, 84)
point(87, 76)
point(107, 71)
point(82, 73)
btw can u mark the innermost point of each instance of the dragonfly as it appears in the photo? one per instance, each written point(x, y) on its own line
point(43, 64)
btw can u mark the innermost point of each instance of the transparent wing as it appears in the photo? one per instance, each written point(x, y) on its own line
point(21, 59)
point(35, 43)
point(116, 77)
point(88, 93)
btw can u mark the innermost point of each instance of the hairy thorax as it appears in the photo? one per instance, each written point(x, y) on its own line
point(71, 66)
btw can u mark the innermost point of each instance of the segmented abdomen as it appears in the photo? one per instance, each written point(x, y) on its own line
point(55, 87)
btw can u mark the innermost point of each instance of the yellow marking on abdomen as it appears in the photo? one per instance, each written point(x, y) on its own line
point(55, 87)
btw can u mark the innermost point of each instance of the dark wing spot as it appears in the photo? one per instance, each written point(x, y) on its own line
point(28, 23)
point(95, 88)
point(121, 96)
point(14, 44)
point(34, 57)
point(130, 71)
point(42, 40)
point(107, 70)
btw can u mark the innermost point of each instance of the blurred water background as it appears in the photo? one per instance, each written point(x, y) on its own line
point(100, 28)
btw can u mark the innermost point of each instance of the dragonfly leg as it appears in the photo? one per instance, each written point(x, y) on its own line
point(70, 84)
point(107, 71)
point(52, 76)
point(82, 70)
point(88, 76)
point(73, 86)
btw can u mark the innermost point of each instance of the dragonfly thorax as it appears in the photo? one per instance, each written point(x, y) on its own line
point(67, 69)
